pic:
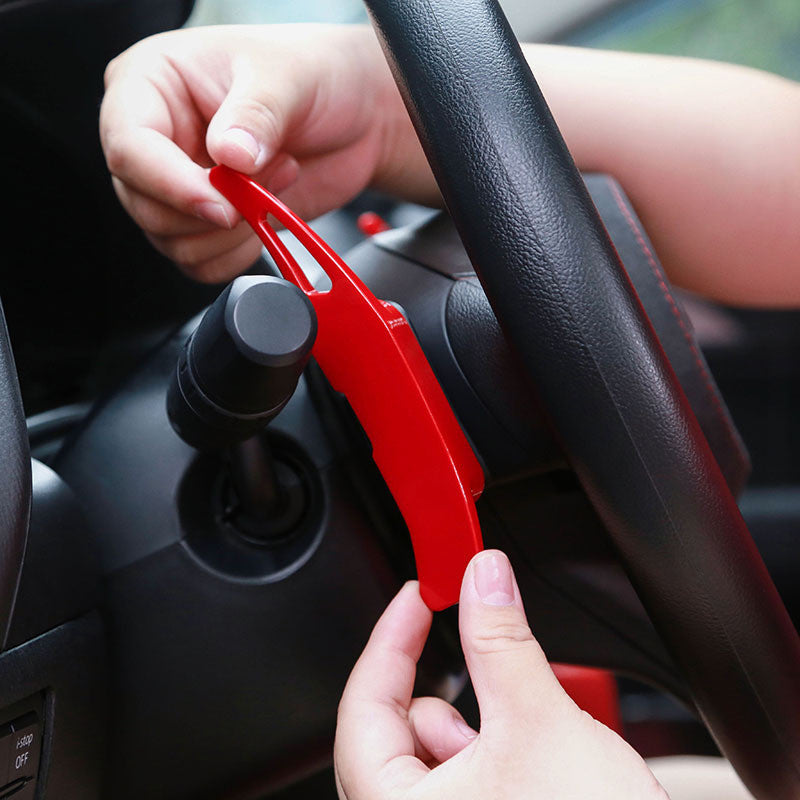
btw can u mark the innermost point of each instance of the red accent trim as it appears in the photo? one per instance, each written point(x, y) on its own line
point(673, 305)
point(593, 690)
point(370, 223)
point(368, 352)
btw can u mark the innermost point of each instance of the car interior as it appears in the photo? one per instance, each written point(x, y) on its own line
point(167, 632)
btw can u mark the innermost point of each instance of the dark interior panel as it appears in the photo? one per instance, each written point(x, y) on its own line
point(63, 227)
point(67, 669)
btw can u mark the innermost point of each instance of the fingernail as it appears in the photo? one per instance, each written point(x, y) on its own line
point(465, 729)
point(214, 213)
point(494, 581)
point(243, 140)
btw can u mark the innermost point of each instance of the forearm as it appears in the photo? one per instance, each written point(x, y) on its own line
point(708, 153)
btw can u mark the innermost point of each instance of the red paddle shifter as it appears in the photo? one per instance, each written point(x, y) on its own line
point(368, 352)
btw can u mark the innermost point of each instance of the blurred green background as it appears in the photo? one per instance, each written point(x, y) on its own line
point(759, 33)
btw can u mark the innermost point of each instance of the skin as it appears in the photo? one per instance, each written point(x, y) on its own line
point(707, 152)
point(177, 103)
point(534, 741)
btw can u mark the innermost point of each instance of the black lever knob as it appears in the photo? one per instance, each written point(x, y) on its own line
point(242, 363)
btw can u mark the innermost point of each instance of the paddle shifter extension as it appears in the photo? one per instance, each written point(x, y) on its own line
point(369, 353)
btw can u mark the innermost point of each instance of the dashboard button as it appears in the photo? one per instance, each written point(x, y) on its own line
point(23, 761)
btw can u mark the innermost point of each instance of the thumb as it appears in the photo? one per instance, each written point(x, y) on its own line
point(250, 125)
point(512, 680)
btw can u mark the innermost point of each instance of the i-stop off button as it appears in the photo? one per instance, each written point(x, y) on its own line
point(25, 747)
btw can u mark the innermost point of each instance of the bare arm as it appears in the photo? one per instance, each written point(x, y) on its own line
point(709, 153)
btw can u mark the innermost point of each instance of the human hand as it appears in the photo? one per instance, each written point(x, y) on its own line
point(534, 741)
point(311, 112)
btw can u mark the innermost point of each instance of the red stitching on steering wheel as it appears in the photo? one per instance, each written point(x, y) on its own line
point(651, 260)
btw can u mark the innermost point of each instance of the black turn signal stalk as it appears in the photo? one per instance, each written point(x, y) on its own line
point(235, 373)
point(242, 363)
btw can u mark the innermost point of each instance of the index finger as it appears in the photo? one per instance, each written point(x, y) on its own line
point(137, 132)
point(374, 750)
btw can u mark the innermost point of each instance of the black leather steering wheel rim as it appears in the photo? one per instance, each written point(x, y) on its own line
point(556, 286)
point(15, 490)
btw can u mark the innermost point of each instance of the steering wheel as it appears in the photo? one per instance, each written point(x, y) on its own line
point(566, 306)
